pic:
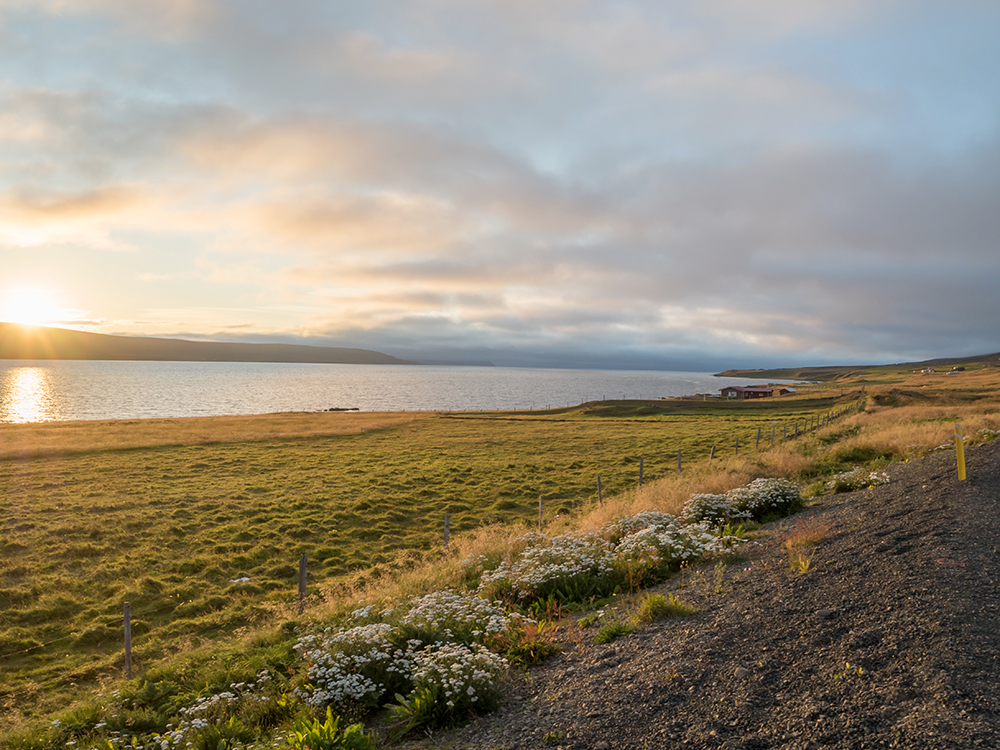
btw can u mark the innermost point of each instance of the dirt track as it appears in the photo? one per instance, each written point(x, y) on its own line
point(905, 590)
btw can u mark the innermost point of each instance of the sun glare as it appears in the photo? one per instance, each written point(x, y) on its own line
point(30, 307)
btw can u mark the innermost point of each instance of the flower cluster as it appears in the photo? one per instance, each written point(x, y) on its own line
point(365, 663)
point(764, 497)
point(547, 564)
point(667, 544)
point(458, 617)
point(462, 675)
point(359, 664)
point(857, 478)
point(645, 519)
point(715, 510)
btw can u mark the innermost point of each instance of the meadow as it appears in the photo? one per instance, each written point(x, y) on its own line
point(199, 524)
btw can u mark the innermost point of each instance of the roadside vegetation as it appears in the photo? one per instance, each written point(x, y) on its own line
point(199, 524)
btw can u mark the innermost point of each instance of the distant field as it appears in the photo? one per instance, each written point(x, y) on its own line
point(859, 374)
point(167, 514)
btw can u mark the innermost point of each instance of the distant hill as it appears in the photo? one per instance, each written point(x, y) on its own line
point(836, 372)
point(35, 342)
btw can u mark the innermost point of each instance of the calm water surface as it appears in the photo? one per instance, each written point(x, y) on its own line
point(70, 390)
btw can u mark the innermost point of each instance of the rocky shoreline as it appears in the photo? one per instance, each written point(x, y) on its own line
point(889, 639)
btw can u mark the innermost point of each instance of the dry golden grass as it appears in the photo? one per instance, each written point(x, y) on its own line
point(801, 539)
point(807, 532)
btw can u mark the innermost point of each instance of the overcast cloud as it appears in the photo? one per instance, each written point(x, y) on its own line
point(689, 184)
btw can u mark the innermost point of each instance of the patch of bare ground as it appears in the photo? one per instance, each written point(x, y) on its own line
point(889, 638)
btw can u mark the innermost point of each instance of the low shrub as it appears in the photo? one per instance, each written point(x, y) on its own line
point(465, 618)
point(233, 716)
point(654, 552)
point(360, 664)
point(570, 567)
point(655, 607)
point(612, 631)
point(449, 682)
point(622, 527)
point(764, 498)
point(858, 478)
point(533, 651)
point(716, 510)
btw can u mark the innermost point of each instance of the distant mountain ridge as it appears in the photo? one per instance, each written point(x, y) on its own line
point(37, 342)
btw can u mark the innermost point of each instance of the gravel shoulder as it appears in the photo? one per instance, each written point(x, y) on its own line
point(890, 639)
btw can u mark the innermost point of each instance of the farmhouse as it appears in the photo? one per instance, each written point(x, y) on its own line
point(745, 392)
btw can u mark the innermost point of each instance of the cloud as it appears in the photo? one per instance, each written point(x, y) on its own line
point(44, 217)
point(169, 19)
point(507, 175)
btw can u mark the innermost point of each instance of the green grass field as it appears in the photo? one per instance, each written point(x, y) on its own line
point(168, 516)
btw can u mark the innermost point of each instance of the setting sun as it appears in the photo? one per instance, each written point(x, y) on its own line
point(33, 307)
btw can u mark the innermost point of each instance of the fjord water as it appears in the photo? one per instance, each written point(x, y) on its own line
point(42, 391)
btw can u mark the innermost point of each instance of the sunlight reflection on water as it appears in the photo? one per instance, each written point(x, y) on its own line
point(42, 391)
point(26, 395)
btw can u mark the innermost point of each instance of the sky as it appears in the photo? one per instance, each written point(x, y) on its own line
point(691, 184)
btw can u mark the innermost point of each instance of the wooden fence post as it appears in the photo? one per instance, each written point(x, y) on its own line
point(711, 456)
point(960, 451)
point(447, 531)
point(772, 434)
point(756, 446)
point(600, 495)
point(678, 462)
point(302, 582)
point(640, 471)
point(128, 641)
point(737, 446)
point(541, 510)
point(783, 428)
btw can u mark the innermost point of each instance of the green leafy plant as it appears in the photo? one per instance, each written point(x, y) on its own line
point(421, 708)
point(553, 737)
point(611, 631)
point(800, 561)
point(589, 619)
point(327, 735)
point(736, 532)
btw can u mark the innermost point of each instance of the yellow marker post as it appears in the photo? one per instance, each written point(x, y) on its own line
point(960, 451)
